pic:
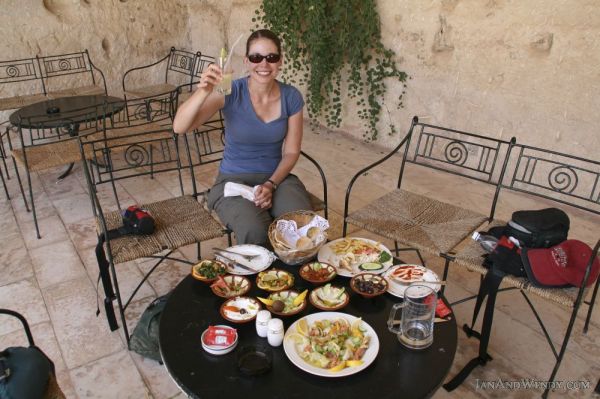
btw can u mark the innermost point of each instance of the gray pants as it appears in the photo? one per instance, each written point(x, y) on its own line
point(249, 222)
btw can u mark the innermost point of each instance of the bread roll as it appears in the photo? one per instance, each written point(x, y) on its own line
point(304, 243)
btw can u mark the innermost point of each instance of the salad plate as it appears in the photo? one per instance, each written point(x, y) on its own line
point(293, 343)
point(401, 276)
point(243, 267)
point(329, 297)
point(349, 253)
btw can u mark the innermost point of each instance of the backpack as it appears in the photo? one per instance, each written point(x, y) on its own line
point(144, 339)
point(24, 373)
point(542, 228)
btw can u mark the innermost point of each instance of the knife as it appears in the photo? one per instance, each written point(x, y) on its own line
point(233, 262)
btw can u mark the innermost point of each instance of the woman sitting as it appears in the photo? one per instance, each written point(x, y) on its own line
point(263, 136)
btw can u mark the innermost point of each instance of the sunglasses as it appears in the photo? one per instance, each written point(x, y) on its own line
point(257, 58)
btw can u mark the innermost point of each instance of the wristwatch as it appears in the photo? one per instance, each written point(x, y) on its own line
point(273, 184)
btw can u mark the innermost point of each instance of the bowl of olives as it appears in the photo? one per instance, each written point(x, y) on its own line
point(368, 284)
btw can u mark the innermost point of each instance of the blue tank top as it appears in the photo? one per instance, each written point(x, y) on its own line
point(251, 145)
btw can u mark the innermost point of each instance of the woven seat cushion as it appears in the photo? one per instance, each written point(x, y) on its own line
point(417, 221)
point(49, 155)
point(20, 101)
point(76, 91)
point(148, 91)
point(471, 256)
point(316, 203)
point(178, 221)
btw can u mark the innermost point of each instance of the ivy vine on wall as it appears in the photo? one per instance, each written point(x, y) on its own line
point(330, 42)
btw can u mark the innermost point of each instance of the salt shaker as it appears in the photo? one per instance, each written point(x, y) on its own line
point(275, 332)
point(262, 321)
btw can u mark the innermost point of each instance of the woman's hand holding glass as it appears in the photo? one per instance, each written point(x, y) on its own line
point(210, 78)
point(264, 196)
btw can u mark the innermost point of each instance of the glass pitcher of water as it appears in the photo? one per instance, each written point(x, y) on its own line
point(415, 327)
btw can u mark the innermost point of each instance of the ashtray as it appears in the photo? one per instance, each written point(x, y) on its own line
point(52, 110)
point(254, 360)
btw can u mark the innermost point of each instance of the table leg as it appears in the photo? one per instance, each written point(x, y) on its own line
point(73, 132)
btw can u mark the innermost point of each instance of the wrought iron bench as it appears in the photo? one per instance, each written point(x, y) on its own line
point(559, 180)
point(48, 77)
point(424, 223)
point(72, 74)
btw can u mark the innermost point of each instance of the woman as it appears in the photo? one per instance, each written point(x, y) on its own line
point(263, 135)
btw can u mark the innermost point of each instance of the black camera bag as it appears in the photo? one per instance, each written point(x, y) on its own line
point(542, 228)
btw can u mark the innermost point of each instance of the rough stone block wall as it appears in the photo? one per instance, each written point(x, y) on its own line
point(497, 67)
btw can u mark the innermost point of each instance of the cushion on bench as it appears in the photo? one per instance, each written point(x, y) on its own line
point(178, 221)
point(417, 221)
point(76, 91)
point(151, 90)
point(49, 155)
point(20, 101)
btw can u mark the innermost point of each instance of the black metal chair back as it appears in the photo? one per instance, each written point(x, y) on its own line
point(23, 70)
point(54, 67)
point(155, 109)
point(567, 179)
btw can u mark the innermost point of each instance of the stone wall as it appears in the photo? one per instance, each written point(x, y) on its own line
point(498, 67)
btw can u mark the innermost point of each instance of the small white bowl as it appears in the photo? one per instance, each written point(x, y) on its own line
point(215, 349)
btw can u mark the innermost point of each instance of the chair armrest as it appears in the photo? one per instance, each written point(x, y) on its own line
point(101, 75)
point(406, 139)
point(144, 67)
point(323, 180)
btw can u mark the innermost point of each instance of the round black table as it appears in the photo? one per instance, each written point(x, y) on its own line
point(397, 372)
point(66, 111)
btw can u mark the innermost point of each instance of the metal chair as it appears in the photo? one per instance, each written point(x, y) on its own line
point(45, 143)
point(207, 145)
point(561, 178)
point(53, 390)
point(180, 220)
point(422, 223)
point(72, 74)
point(179, 65)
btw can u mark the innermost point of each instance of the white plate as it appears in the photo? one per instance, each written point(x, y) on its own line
point(258, 264)
point(327, 255)
point(397, 289)
point(289, 346)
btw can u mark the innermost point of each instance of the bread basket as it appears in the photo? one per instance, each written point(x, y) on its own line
point(294, 256)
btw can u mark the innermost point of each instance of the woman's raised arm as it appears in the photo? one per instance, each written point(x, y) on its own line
point(202, 104)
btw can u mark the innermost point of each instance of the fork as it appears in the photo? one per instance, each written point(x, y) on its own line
point(247, 257)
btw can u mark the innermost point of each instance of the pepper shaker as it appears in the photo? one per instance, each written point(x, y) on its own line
point(275, 332)
point(262, 322)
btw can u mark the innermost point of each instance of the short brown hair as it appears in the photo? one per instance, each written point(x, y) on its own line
point(263, 34)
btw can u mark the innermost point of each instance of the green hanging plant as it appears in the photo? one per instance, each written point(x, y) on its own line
point(328, 41)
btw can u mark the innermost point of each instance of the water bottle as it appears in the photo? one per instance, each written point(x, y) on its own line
point(487, 242)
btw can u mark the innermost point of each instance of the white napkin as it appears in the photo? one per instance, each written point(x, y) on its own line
point(233, 189)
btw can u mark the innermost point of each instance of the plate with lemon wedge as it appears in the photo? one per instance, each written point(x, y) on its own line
point(350, 343)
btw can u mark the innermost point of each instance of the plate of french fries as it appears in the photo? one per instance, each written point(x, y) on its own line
point(347, 254)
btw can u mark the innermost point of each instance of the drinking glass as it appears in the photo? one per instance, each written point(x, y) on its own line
point(224, 87)
point(415, 327)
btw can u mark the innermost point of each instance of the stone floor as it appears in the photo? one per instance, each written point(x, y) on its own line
point(52, 282)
